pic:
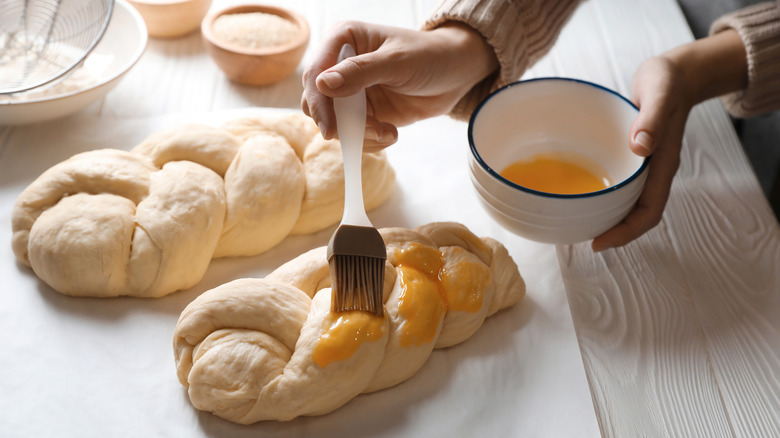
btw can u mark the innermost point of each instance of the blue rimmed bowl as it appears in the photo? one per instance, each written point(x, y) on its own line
point(561, 116)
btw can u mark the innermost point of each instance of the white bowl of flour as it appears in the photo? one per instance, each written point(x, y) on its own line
point(118, 51)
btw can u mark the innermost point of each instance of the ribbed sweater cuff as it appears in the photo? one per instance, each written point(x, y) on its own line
point(759, 28)
point(520, 32)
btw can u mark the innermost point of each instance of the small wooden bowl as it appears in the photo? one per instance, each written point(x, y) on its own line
point(256, 66)
point(171, 18)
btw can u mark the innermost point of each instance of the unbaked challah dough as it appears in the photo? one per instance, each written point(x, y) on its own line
point(271, 349)
point(147, 222)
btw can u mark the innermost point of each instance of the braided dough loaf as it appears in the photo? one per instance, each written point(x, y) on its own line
point(147, 222)
point(270, 349)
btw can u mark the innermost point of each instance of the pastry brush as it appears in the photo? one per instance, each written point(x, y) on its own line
point(356, 252)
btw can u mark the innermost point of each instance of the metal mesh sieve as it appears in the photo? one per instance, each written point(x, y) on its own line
point(42, 40)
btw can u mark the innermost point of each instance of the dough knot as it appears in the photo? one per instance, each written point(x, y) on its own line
point(271, 349)
point(148, 222)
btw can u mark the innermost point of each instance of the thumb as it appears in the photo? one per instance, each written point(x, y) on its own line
point(646, 128)
point(651, 93)
point(358, 72)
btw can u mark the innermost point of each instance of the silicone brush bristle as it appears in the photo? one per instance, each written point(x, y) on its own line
point(357, 269)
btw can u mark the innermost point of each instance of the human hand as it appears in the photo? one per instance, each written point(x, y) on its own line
point(659, 91)
point(409, 75)
point(665, 88)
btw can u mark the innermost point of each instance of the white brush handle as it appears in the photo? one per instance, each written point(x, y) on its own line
point(351, 124)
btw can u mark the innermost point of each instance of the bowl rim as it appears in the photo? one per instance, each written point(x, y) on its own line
point(301, 38)
point(132, 60)
point(498, 177)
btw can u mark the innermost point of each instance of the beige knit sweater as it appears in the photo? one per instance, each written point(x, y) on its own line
point(759, 27)
point(522, 31)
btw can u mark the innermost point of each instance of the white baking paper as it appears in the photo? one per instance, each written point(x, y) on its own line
point(83, 367)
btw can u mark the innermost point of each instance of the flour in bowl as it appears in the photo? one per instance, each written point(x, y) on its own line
point(254, 29)
point(80, 78)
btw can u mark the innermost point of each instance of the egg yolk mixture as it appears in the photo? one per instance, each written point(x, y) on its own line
point(557, 173)
point(421, 305)
point(429, 288)
point(343, 334)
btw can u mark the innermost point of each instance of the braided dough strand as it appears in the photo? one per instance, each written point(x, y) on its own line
point(148, 222)
point(271, 349)
point(131, 237)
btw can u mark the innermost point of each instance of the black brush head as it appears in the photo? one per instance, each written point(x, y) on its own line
point(358, 241)
point(357, 283)
point(357, 269)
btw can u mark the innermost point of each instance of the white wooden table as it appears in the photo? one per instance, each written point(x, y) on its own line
point(677, 334)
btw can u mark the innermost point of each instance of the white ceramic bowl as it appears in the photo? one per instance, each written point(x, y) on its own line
point(119, 49)
point(555, 115)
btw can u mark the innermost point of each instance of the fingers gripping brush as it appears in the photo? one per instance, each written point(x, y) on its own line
point(356, 252)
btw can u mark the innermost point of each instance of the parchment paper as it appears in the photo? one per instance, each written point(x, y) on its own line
point(104, 367)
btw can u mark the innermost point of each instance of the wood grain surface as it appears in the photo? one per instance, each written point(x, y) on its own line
point(680, 330)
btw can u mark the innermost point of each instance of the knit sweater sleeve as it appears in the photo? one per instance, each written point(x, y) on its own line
point(759, 28)
point(520, 32)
